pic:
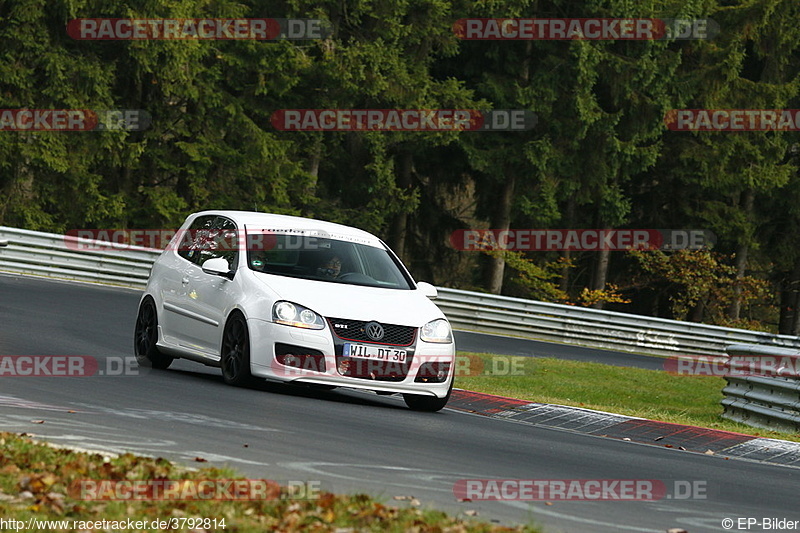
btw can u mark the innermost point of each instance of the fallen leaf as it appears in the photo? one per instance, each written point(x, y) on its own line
point(54, 501)
point(326, 500)
point(9, 469)
point(37, 421)
point(200, 460)
point(471, 512)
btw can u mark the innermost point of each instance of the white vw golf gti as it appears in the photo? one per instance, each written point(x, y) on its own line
point(295, 299)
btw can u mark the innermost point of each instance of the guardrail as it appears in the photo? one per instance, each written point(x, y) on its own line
point(65, 257)
point(595, 328)
point(765, 392)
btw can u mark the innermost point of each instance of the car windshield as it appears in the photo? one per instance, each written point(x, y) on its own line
point(329, 260)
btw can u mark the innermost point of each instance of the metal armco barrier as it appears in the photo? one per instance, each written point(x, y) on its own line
point(64, 257)
point(608, 330)
point(770, 401)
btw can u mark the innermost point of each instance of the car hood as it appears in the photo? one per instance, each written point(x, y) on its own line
point(355, 302)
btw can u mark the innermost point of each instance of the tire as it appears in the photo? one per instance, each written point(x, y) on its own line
point(428, 404)
point(235, 356)
point(145, 336)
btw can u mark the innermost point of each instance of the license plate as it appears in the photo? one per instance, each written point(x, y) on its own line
point(366, 351)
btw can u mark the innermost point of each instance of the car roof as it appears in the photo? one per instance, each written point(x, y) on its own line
point(255, 220)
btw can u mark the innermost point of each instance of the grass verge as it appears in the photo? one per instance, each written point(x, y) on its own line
point(653, 394)
point(29, 489)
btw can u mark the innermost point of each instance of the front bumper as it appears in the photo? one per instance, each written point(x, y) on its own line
point(264, 336)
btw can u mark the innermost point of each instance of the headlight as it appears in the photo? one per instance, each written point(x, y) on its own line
point(295, 315)
point(437, 331)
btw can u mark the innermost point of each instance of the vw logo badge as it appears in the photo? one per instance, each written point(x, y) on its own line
point(374, 331)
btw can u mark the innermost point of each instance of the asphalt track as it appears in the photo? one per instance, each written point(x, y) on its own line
point(349, 441)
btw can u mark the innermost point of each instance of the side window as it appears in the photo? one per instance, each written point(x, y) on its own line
point(192, 243)
point(226, 242)
point(210, 237)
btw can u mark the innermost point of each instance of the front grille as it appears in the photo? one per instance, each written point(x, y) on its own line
point(355, 330)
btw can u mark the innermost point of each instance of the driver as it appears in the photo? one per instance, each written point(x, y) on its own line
point(331, 268)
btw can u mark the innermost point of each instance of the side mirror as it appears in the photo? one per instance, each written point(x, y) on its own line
point(428, 290)
point(218, 267)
